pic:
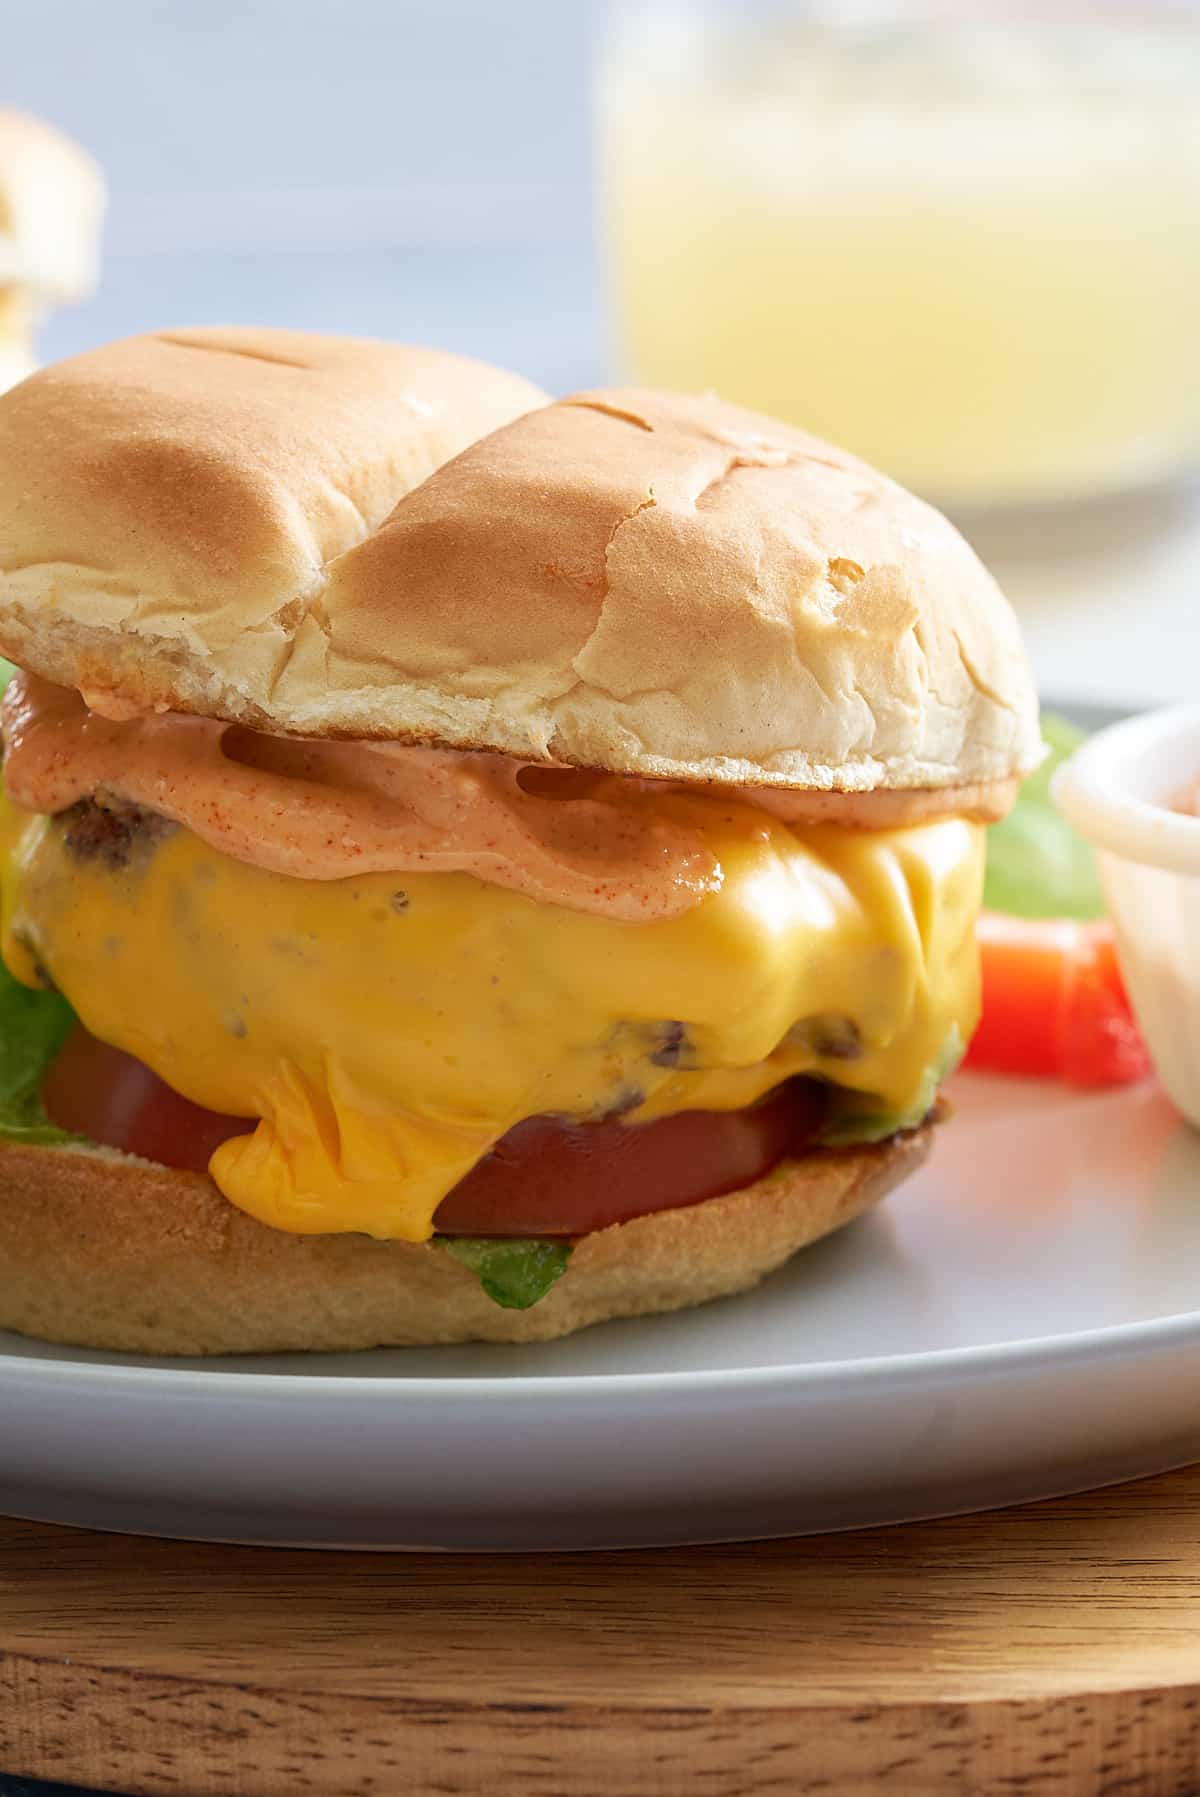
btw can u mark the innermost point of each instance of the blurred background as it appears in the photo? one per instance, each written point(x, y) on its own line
point(424, 171)
point(962, 238)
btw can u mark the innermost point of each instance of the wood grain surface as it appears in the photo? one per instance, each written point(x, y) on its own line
point(1054, 1648)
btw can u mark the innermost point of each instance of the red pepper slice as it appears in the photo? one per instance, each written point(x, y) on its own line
point(1054, 1003)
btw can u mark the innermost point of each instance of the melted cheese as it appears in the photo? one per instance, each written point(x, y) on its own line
point(385, 1030)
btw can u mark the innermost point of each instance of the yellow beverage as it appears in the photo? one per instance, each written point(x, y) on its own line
point(968, 248)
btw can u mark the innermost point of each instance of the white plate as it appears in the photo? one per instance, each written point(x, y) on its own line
point(1020, 1320)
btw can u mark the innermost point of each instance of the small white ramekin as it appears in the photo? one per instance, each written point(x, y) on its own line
point(1117, 791)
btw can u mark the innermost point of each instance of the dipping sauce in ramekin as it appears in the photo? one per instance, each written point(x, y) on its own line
point(1134, 792)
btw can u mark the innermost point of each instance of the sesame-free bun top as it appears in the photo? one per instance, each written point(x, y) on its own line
point(51, 208)
point(279, 529)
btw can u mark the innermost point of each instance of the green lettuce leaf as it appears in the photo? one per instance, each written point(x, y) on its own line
point(1036, 865)
point(33, 1027)
point(514, 1272)
point(856, 1116)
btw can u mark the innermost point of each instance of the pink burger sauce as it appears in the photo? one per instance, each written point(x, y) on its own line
point(325, 810)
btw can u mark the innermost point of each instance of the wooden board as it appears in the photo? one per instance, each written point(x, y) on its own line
point(1054, 1648)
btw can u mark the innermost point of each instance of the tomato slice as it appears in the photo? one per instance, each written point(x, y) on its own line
point(1054, 1003)
point(550, 1177)
point(112, 1098)
point(545, 1177)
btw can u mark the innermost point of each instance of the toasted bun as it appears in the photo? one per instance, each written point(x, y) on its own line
point(660, 585)
point(51, 208)
point(103, 1252)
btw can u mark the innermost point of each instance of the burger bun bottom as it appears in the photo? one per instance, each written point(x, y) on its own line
point(102, 1251)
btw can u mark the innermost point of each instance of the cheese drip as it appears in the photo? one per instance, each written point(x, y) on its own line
point(385, 1031)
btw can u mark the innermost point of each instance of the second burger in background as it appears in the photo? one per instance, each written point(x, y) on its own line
point(51, 210)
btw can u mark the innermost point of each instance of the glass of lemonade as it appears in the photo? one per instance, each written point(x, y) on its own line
point(961, 240)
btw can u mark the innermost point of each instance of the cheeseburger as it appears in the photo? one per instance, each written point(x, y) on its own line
point(51, 205)
point(472, 866)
